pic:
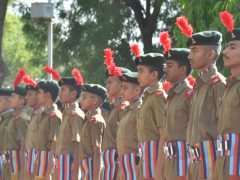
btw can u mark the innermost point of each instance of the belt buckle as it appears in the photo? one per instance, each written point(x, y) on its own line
point(219, 145)
point(166, 152)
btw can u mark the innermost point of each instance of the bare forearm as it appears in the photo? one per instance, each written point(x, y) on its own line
point(96, 163)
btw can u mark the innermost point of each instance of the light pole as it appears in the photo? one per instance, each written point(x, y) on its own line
point(50, 45)
point(43, 12)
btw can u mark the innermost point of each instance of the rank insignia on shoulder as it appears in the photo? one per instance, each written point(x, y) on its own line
point(52, 114)
point(74, 113)
point(215, 79)
point(189, 93)
point(18, 117)
point(159, 92)
point(92, 119)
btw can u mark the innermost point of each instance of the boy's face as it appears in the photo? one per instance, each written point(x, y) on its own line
point(16, 101)
point(31, 98)
point(145, 77)
point(198, 56)
point(4, 103)
point(86, 101)
point(173, 71)
point(231, 54)
point(65, 94)
point(130, 91)
point(41, 97)
point(113, 86)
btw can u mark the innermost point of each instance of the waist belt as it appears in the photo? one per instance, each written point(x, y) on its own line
point(178, 150)
point(229, 145)
point(205, 152)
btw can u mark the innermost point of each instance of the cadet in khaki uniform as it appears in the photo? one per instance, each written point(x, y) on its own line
point(5, 115)
point(92, 131)
point(150, 122)
point(68, 141)
point(127, 142)
point(45, 129)
point(109, 145)
point(31, 96)
point(176, 114)
point(15, 134)
point(228, 146)
point(202, 128)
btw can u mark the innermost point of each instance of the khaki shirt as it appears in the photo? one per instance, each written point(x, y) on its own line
point(177, 112)
point(205, 104)
point(16, 130)
point(31, 126)
point(110, 134)
point(127, 141)
point(151, 114)
point(92, 133)
point(4, 119)
point(230, 107)
point(69, 132)
point(46, 128)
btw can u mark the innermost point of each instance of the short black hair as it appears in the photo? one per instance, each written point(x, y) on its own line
point(78, 89)
point(187, 65)
point(159, 71)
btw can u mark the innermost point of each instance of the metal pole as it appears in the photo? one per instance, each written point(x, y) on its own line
point(50, 45)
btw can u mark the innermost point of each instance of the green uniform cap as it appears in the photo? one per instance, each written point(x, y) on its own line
point(20, 91)
point(96, 89)
point(51, 87)
point(233, 36)
point(155, 60)
point(29, 87)
point(6, 91)
point(130, 77)
point(205, 38)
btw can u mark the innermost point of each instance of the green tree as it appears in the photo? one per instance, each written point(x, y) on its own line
point(15, 53)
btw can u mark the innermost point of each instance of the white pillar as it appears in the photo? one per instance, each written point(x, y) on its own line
point(50, 45)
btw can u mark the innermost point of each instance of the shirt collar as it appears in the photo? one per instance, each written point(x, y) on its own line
point(206, 75)
point(152, 89)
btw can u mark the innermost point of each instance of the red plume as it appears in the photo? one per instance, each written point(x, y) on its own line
point(19, 77)
point(227, 20)
point(166, 86)
point(78, 77)
point(135, 50)
point(166, 41)
point(191, 80)
point(52, 71)
point(29, 81)
point(108, 55)
point(114, 70)
point(182, 23)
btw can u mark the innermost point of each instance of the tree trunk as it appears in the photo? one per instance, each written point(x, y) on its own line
point(3, 66)
point(146, 21)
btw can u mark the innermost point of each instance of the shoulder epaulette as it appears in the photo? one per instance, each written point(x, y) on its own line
point(18, 117)
point(159, 92)
point(189, 93)
point(52, 114)
point(215, 79)
point(92, 119)
point(73, 113)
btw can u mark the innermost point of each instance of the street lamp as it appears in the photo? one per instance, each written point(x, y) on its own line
point(43, 12)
